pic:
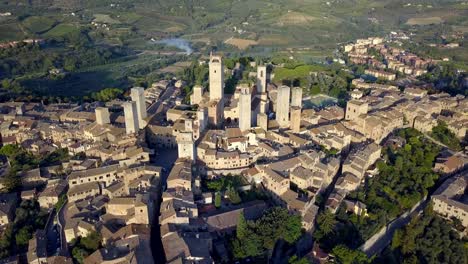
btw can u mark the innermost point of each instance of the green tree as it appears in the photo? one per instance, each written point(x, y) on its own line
point(107, 94)
point(91, 242)
point(23, 236)
point(233, 195)
point(296, 260)
point(242, 228)
point(345, 255)
point(6, 240)
point(326, 222)
point(79, 254)
point(217, 199)
point(442, 133)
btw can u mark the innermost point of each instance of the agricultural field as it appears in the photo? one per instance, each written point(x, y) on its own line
point(38, 24)
point(422, 21)
point(307, 30)
point(275, 23)
point(241, 44)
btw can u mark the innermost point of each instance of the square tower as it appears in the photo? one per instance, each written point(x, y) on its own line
point(245, 111)
point(197, 94)
point(102, 115)
point(216, 77)
point(131, 117)
point(295, 119)
point(186, 145)
point(138, 96)
point(355, 108)
point(296, 96)
point(262, 121)
point(282, 106)
point(261, 79)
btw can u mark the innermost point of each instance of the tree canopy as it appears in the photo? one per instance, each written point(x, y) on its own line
point(262, 234)
point(428, 239)
point(445, 136)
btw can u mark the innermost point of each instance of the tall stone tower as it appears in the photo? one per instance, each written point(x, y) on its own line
point(202, 119)
point(138, 96)
point(296, 96)
point(295, 119)
point(131, 117)
point(245, 112)
point(282, 106)
point(261, 79)
point(262, 121)
point(216, 77)
point(102, 115)
point(185, 142)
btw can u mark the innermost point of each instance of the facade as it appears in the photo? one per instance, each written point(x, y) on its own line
point(355, 108)
point(186, 145)
point(215, 113)
point(450, 200)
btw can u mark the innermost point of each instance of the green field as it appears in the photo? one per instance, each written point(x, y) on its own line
point(10, 31)
point(38, 24)
point(307, 30)
point(60, 30)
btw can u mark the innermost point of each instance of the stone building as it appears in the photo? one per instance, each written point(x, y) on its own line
point(282, 106)
point(245, 111)
point(355, 108)
point(131, 117)
point(261, 79)
point(138, 96)
point(216, 77)
point(102, 115)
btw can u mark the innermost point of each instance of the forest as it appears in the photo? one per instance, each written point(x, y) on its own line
point(428, 238)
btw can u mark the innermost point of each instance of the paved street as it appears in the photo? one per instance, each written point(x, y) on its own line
point(53, 236)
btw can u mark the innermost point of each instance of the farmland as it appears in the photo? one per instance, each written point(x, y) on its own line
point(306, 30)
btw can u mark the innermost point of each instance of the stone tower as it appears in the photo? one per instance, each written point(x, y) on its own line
point(102, 115)
point(197, 95)
point(131, 117)
point(186, 145)
point(138, 96)
point(202, 119)
point(355, 108)
point(282, 106)
point(261, 79)
point(216, 77)
point(296, 96)
point(295, 119)
point(245, 112)
point(262, 121)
